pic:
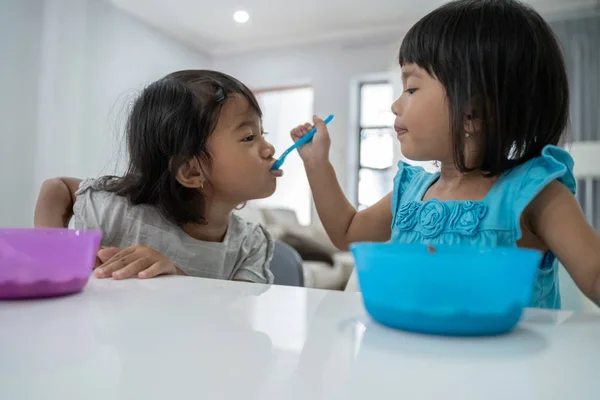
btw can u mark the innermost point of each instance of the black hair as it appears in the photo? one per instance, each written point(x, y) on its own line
point(500, 60)
point(170, 124)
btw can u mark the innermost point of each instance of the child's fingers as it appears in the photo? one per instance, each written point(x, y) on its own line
point(114, 264)
point(106, 270)
point(156, 269)
point(106, 253)
point(320, 124)
point(98, 262)
point(132, 269)
point(297, 133)
point(121, 254)
point(300, 131)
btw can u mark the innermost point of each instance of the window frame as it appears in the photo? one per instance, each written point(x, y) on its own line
point(361, 128)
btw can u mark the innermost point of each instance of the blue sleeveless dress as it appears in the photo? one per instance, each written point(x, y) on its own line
point(493, 221)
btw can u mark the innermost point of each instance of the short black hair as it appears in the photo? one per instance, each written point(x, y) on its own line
point(502, 60)
point(169, 124)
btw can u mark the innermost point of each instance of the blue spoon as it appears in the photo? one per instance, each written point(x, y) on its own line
point(305, 139)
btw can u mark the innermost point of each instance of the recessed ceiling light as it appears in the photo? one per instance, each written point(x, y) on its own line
point(241, 17)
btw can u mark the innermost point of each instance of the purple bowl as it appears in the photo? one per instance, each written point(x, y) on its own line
point(38, 263)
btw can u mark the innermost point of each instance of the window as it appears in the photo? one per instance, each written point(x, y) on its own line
point(284, 109)
point(376, 142)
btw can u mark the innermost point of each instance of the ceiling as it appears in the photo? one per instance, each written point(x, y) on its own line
point(208, 24)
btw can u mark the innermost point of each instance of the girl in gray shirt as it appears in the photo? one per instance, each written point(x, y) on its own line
point(196, 152)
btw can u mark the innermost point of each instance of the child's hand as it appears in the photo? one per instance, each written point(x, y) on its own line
point(105, 254)
point(137, 260)
point(316, 151)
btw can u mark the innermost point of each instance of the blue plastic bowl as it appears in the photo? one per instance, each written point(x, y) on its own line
point(445, 290)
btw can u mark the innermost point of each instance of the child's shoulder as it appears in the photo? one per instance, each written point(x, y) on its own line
point(90, 184)
point(248, 231)
point(94, 193)
point(531, 177)
point(94, 184)
point(408, 170)
point(410, 181)
point(516, 190)
point(98, 208)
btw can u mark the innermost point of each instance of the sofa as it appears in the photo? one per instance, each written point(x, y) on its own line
point(323, 265)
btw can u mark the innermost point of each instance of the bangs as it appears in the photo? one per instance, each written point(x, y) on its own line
point(213, 88)
point(444, 38)
point(247, 94)
point(232, 87)
point(423, 44)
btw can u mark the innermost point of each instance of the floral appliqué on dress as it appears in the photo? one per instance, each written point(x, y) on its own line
point(432, 217)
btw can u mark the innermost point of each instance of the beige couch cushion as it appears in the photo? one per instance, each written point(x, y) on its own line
point(352, 285)
point(316, 274)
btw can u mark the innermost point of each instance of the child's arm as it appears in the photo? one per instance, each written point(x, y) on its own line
point(343, 223)
point(135, 261)
point(556, 218)
point(54, 206)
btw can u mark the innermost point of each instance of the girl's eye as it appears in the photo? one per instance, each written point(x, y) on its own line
point(410, 91)
point(251, 138)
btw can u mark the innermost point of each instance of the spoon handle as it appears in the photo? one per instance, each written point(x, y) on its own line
point(300, 142)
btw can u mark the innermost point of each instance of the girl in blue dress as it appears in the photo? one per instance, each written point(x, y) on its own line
point(486, 95)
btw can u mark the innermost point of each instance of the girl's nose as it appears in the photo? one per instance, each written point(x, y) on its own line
point(397, 107)
point(268, 151)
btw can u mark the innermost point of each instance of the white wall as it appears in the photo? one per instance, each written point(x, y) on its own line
point(330, 70)
point(20, 30)
point(73, 66)
point(100, 57)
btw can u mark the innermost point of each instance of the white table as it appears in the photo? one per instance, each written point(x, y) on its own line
point(188, 338)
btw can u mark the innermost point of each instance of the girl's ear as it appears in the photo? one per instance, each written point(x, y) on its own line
point(472, 117)
point(191, 175)
point(471, 124)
